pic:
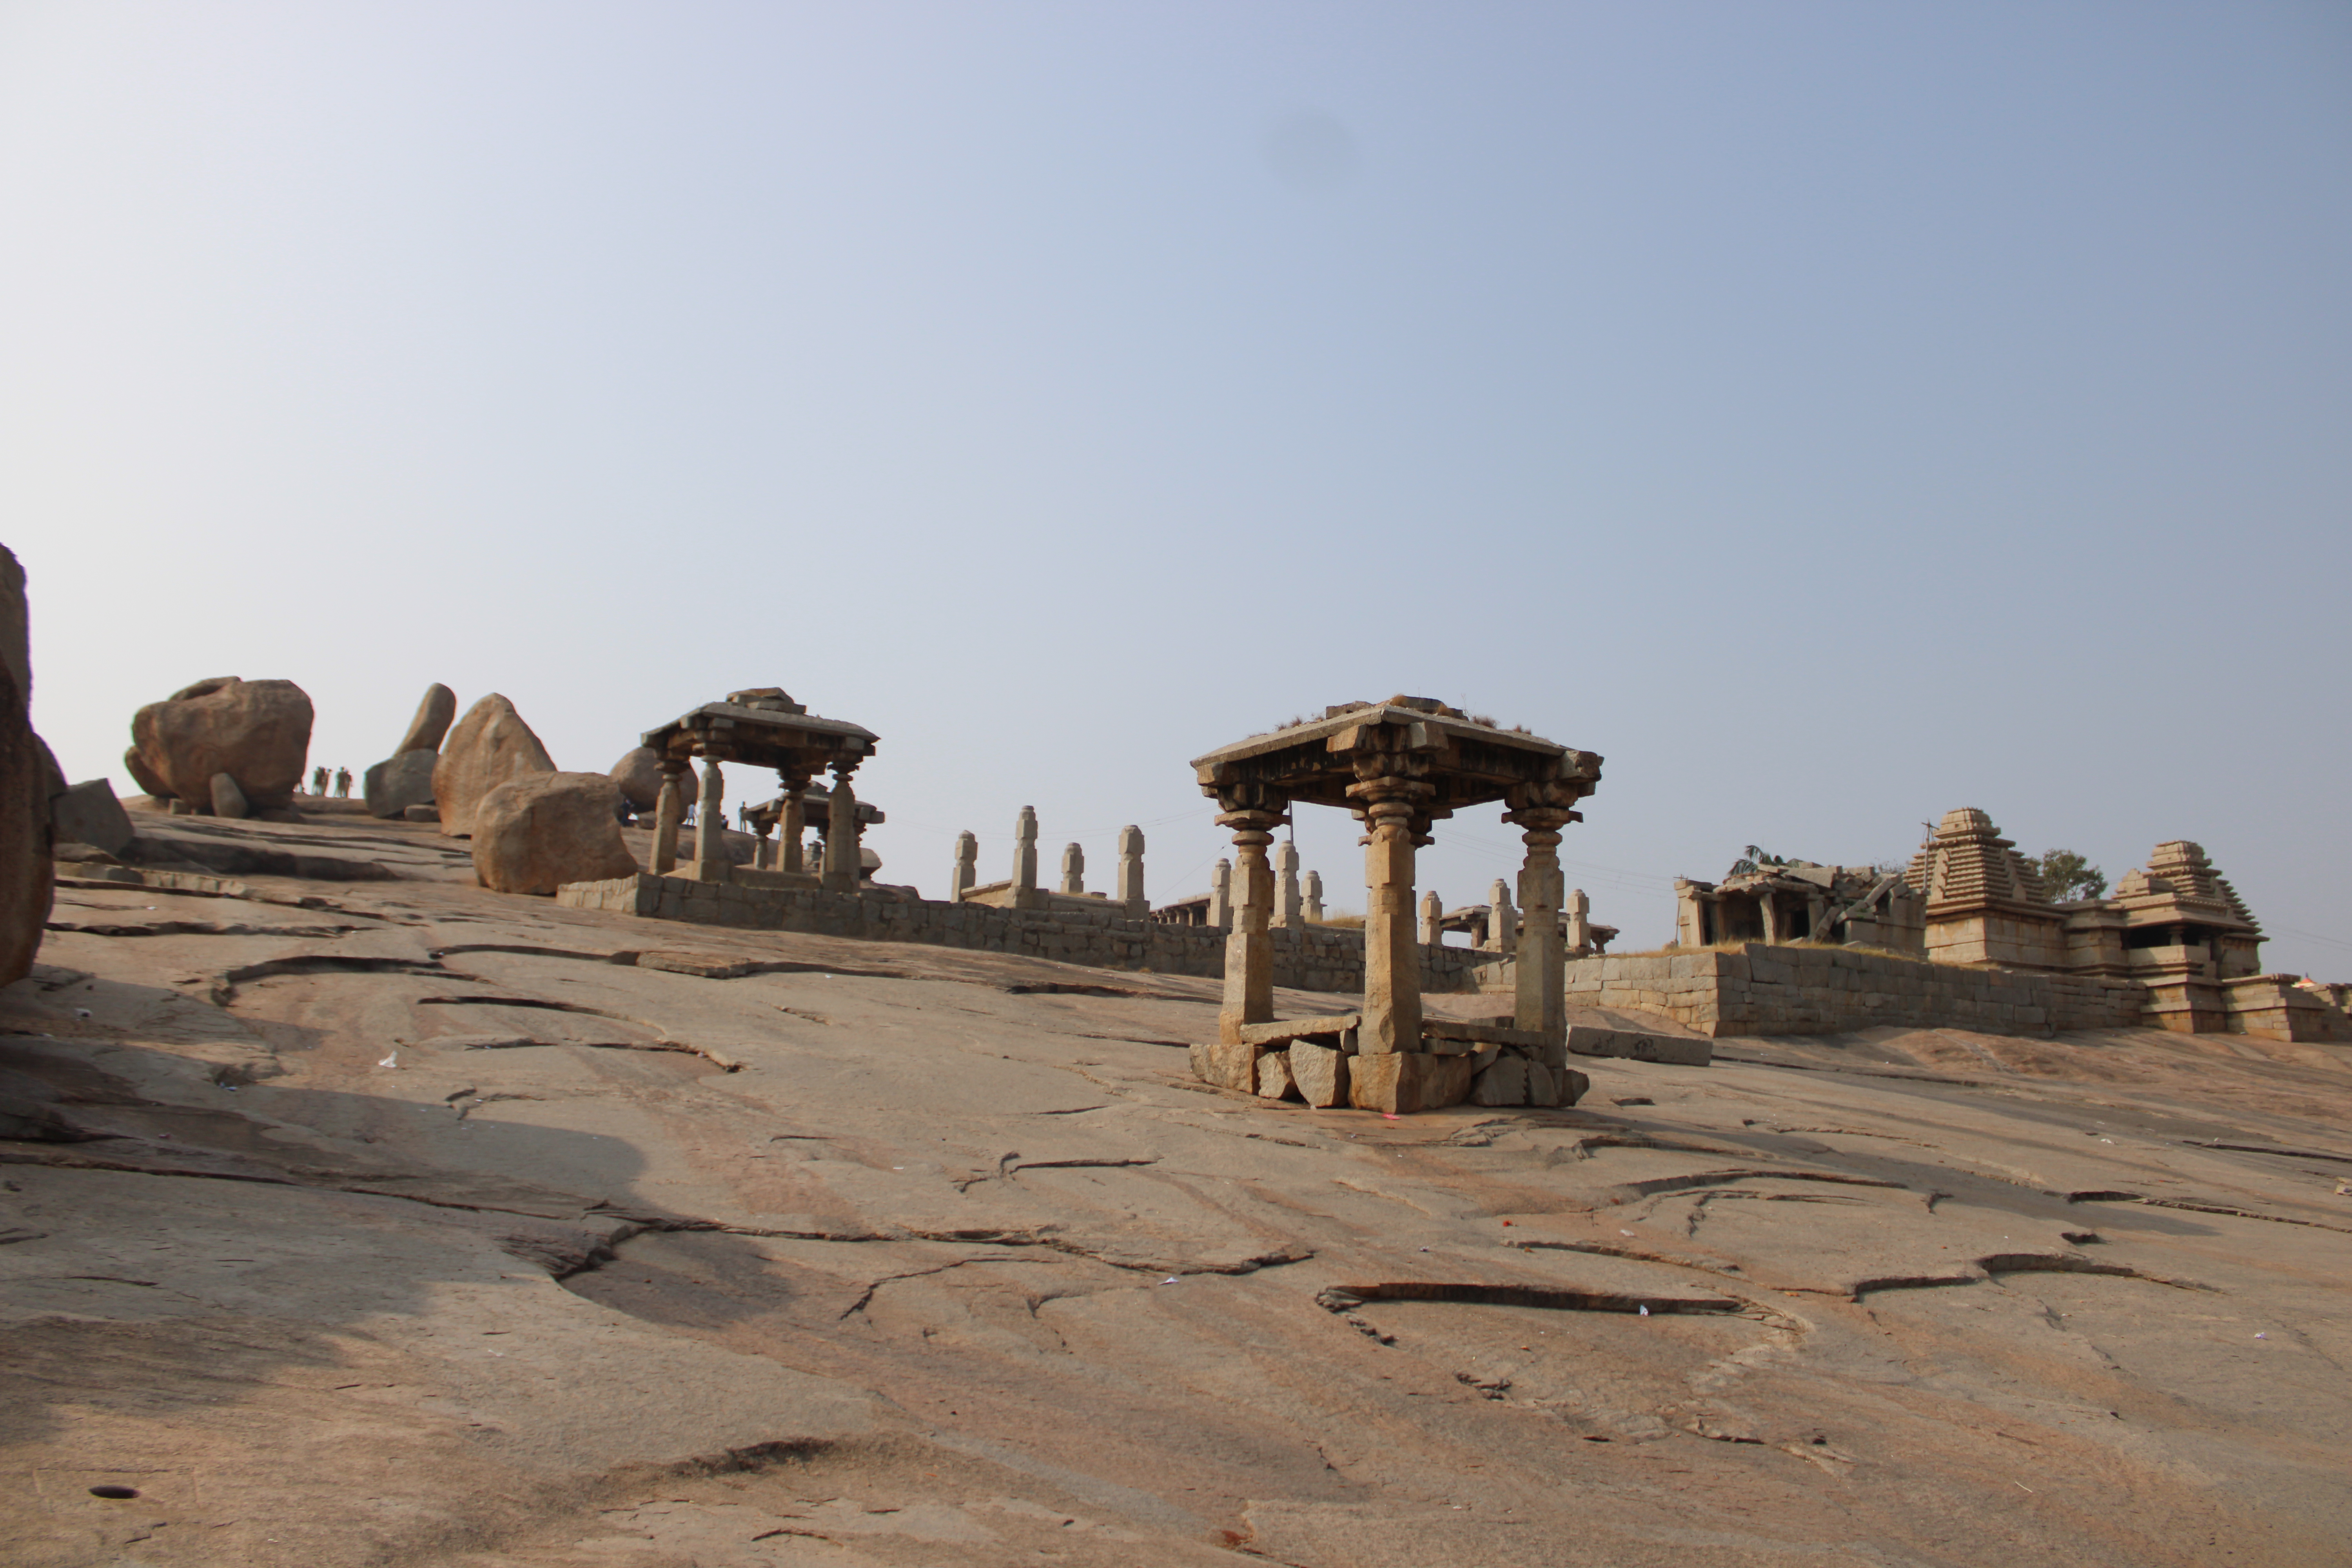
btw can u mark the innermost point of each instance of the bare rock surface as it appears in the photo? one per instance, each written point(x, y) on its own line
point(400, 1223)
point(257, 731)
point(489, 745)
point(535, 833)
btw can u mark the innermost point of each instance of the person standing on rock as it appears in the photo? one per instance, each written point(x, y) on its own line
point(342, 783)
point(318, 780)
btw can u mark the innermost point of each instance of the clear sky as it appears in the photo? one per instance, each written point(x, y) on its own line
point(1831, 414)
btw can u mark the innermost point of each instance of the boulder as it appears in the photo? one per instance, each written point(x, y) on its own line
point(227, 799)
point(539, 830)
point(29, 778)
point(391, 787)
point(88, 813)
point(489, 745)
point(257, 731)
point(432, 721)
point(640, 777)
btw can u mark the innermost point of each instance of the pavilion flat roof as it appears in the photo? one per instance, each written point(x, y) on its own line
point(1468, 762)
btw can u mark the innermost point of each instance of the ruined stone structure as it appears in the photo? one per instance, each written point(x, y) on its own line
point(1021, 891)
point(1856, 906)
point(765, 728)
point(2173, 948)
point(1399, 766)
point(793, 821)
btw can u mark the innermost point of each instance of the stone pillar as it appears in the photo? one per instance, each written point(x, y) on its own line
point(791, 827)
point(1770, 917)
point(1249, 950)
point(762, 851)
point(669, 807)
point(1502, 920)
point(1130, 874)
point(710, 826)
point(1314, 910)
point(1432, 918)
point(1580, 923)
point(840, 829)
point(1391, 957)
point(1816, 906)
point(1542, 958)
point(1074, 870)
point(1025, 859)
point(1285, 867)
point(1221, 895)
point(967, 868)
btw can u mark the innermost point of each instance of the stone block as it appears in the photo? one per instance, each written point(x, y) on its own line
point(1503, 1083)
point(1227, 1064)
point(1274, 1081)
point(1640, 1047)
point(1402, 1082)
point(1319, 1073)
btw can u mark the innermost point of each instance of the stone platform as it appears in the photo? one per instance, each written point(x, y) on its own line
point(1314, 958)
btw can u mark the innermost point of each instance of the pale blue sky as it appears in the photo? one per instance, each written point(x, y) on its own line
point(1833, 414)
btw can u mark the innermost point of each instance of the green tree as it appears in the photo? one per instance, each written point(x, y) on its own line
point(2067, 876)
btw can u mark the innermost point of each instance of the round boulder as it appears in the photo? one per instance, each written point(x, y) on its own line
point(256, 731)
point(640, 775)
point(490, 745)
point(536, 832)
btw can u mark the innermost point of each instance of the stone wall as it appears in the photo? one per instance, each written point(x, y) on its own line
point(1315, 958)
point(1753, 989)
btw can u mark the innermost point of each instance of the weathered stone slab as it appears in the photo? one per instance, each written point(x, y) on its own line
point(1634, 1047)
point(1480, 1034)
point(1319, 1072)
point(1283, 1031)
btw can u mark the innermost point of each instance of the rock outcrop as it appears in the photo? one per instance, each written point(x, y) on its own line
point(399, 781)
point(538, 831)
point(640, 777)
point(28, 777)
point(489, 745)
point(434, 716)
point(257, 731)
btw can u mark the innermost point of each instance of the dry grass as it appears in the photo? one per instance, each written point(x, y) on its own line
point(1351, 922)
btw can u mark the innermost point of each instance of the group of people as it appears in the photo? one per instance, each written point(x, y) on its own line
point(343, 781)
